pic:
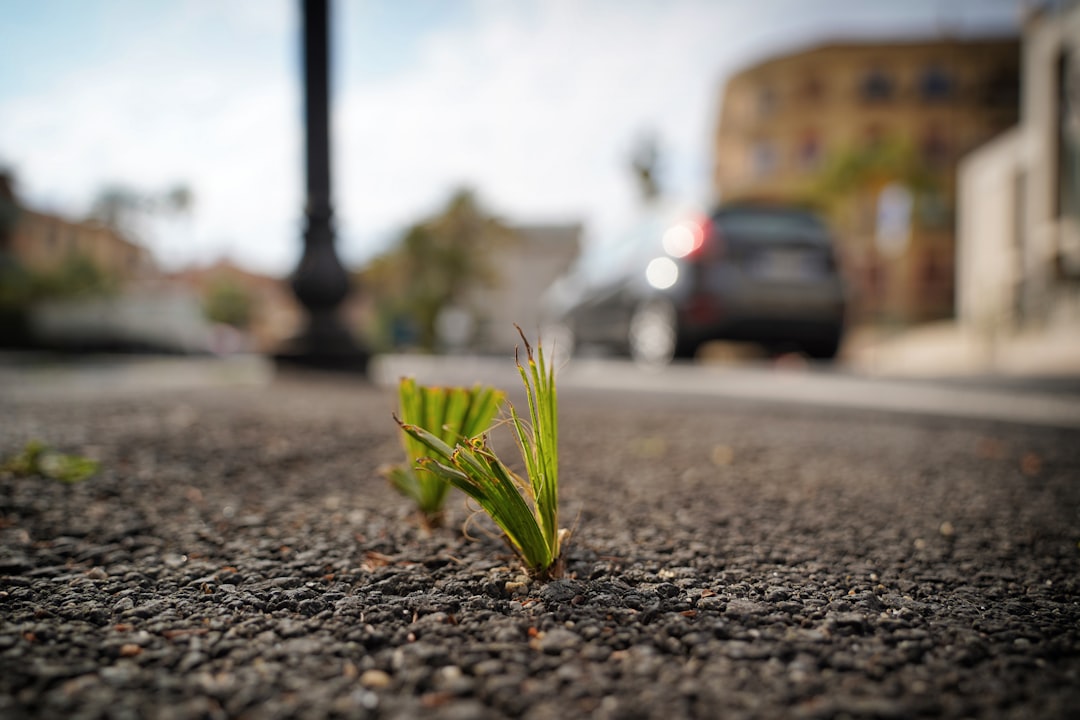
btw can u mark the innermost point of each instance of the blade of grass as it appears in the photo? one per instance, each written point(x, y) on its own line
point(539, 442)
point(450, 413)
point(465, 460)
point(477, 472)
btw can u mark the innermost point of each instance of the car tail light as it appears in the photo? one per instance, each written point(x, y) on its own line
point(712, 242)
point(687, 239)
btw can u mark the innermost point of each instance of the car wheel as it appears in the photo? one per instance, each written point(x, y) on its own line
point(654, 334)
point(825, 348)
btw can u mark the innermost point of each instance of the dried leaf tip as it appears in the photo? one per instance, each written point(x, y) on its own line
point(407, 427)
point(528, 347)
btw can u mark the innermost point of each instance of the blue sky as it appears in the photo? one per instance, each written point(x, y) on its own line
point(536, 104)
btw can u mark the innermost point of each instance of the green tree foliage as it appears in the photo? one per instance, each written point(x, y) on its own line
point(869, 168)
point(16, 285)
point(9, 209)
point(434, 264)
point(229, 303)
point(120, 207)
point(76, 277)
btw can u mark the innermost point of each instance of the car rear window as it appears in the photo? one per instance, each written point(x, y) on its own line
point(771, 225)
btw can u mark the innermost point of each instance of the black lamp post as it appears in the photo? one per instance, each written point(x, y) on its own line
point(320, 281)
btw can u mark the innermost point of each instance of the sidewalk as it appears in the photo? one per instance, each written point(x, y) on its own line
point(946, 349)
point(47, 375)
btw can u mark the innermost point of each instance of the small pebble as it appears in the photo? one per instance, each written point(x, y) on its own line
point(374, 679)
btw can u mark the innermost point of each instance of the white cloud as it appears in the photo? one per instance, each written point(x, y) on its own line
point(165, 109)
point(539, 106)
point(539, 111)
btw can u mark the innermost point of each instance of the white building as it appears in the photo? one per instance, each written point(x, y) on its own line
point(1018, 270)
point(526, 266)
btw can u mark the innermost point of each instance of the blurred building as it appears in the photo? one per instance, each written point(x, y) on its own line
point(261, 311)
point(43, 243)
point(81, 285)
point(526, 266)
point(1019, 223)
point(873, 131)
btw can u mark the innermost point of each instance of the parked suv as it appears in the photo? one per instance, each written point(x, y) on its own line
point(758, 272)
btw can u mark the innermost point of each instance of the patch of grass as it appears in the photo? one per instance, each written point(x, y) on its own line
point(449, 413)
point(471, 466)
point(37, 458)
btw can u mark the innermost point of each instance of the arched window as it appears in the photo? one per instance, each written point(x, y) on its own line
point(812, 90)
point(876, 86)
point(763, 159)
point(935, 84)
point(935, 146)
point(766, 101)
point(809, 151)
point(1001, 89)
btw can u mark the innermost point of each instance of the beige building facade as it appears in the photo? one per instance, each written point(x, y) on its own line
point(526, 266)
point(275, 314)
point(42, 242)
point(1019, 223)
point(869, 130)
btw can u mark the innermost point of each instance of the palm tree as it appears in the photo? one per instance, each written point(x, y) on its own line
point(436, 264)
point(119, 207)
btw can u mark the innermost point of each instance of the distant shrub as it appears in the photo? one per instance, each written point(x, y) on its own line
point(229, 303)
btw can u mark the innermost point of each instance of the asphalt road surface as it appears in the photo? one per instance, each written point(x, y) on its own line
point(746, 544)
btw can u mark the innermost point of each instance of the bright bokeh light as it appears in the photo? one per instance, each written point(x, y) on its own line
point(662, 273)
point(683, 239)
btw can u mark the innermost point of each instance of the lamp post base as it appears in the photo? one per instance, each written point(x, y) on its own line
point(324, 345)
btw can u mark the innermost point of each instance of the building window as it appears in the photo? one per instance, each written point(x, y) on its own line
point(876, 86)
point(811, 90)
point(934, 277)
point(1001, 88)
point(766, 102)
point(809, 151)
point(763, 159)
point(873, 280)
point(935, 146)
point(874, 136)
point(934, 212)
point(935, 84)
point(744, 109)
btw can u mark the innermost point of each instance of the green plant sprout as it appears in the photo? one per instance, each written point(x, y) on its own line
point(449, 413)
point(37, 458)
point(471, 466)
